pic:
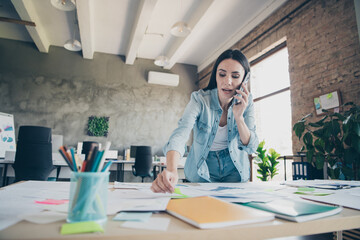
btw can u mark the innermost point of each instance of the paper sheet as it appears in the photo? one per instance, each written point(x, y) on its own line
point(343, 198)
point(44, 217)
point(133, 216)
point(155, 223)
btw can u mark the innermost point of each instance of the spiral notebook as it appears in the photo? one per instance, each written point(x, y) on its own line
point(209, 212)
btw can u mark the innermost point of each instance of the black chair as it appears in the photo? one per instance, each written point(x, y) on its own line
point(33, 159)
point(143, 162)
point(86, 147)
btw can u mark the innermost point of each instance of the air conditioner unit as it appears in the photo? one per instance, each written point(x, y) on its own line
point(161, 78)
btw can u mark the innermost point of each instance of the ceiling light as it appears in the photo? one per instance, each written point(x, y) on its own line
point(72, 45)
point(64, 5)
point(161, 61)
point(180, 29)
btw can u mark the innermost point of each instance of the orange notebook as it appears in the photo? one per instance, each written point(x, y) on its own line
point(208, 212)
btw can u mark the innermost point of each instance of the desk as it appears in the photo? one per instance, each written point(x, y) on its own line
point(347, 219)
point(120, 169)
point(62, 164)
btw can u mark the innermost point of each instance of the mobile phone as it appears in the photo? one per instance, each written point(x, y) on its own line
point(244, 81)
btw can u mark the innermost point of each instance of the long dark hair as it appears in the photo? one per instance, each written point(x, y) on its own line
point(235, 54)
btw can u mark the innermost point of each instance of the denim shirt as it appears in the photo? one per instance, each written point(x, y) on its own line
point(202, 115)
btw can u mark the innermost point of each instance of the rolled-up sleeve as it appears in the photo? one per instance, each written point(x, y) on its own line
point(180, 135)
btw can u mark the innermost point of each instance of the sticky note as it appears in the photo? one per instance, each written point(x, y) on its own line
point(52, 201)
point(177, 191)
point(329, 96)
point(133, 216)
point(306, 189)
point(81, 227)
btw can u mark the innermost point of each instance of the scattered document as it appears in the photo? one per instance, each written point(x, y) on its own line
point(128, 185)
point(343, 198)
point(155, 223)
point(324, 184)
point(145, 205)
point(44, 217)
point(133, 216)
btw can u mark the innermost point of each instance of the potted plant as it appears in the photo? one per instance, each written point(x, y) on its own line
point(266, 162)
point(333, 142)
point(98, 126)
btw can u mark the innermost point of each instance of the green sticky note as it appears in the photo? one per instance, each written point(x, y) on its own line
point(312, 193)
point(81, 227)
point(329, 96)
point(306, 189)
point(316, 100)
point(177, 191)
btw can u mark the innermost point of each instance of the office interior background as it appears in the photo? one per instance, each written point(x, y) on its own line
point(62, 89)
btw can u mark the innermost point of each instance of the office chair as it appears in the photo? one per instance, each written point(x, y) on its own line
point(86, 147)
point(143, 162)
point(33, 158)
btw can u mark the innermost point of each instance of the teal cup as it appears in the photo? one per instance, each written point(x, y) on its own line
point(88, 197)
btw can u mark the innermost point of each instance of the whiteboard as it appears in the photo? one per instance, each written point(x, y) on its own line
point(7, 133)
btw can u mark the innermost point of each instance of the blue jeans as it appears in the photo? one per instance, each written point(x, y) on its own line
point(221, 167)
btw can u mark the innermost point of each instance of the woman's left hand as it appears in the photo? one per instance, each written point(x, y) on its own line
point(239, 108)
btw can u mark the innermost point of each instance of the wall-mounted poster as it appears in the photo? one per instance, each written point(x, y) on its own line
point(7, 133)
point(327, 101)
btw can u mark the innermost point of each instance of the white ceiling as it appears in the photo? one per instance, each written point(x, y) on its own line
point(138, 28)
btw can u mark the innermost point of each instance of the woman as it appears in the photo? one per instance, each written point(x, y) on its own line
point(224, 132)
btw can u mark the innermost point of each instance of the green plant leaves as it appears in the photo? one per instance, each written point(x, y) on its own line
point(319, 161)
point(299, 128)
point(98, 126)
point(334, 141)
point(266, 162)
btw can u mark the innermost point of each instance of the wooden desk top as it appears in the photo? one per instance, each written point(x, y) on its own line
point(347, 219)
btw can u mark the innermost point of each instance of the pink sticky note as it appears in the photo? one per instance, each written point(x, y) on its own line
point(52, 201)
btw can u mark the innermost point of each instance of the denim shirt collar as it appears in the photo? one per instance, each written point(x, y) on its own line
point(215, 103)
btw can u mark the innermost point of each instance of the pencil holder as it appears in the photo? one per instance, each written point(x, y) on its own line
point(88, 197)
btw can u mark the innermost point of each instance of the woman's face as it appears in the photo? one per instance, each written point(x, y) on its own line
point(228, 78)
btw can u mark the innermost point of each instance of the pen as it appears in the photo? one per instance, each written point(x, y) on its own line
point(102, 161)
point(73, 158)
point(66, 159)
point(107, 166)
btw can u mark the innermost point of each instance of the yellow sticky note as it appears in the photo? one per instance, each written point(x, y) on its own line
point(81, 227)
point(329, 96)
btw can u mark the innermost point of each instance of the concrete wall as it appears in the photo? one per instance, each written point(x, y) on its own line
point(324, 52)
point(61, 90)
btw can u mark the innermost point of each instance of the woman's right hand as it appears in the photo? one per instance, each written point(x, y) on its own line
point(165, 182)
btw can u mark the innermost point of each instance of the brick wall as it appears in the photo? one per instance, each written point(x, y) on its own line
point(324, 51)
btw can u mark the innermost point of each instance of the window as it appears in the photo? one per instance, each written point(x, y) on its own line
point(270, 86)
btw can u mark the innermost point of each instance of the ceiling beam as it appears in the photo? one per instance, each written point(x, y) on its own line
point(145, 10)
point(181, 45)
point(17, 21)
point(27, 12)
point(85, 12)
point(262, 14)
